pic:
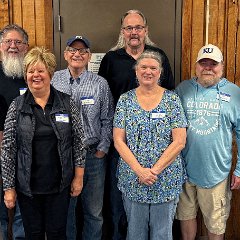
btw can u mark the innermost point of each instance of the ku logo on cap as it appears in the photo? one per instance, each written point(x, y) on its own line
point(207, 50)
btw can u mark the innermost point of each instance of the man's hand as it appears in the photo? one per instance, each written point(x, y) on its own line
point(99, 154)
point(235, 183)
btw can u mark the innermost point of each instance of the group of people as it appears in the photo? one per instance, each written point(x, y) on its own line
point(120, 137)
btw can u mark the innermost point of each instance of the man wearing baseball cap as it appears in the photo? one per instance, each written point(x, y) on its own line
point(212, 107)
point(94, 99)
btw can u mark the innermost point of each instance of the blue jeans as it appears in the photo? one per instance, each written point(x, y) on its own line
point(118, 215)
point(149, 221)
point(71, 229)
point(92, 196)
point(17, 225)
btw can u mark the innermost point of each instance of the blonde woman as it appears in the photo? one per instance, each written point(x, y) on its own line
point(43, 154)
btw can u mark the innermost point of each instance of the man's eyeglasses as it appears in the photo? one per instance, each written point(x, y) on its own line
point(137, 28)
point(8, 42)
point(82, 51)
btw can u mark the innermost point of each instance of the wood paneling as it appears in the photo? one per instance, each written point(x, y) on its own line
point(4, 13)
point(186, 39)
point(35, 16)
point(16, 12)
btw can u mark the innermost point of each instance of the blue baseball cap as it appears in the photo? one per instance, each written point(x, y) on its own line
point(78, 38)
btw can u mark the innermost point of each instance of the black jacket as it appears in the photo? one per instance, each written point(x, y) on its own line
point(16, 156)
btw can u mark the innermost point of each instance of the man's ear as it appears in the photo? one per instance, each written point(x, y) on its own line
point(89, 57)
point(26, 48)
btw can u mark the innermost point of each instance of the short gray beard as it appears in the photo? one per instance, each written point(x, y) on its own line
point(12, 66)
point(208, 83)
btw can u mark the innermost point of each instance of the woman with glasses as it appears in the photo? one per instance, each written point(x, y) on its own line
point(149, 134)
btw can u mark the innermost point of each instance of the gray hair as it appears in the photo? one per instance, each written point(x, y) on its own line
point(152, 55)
point(14, 27)
point(121, 42)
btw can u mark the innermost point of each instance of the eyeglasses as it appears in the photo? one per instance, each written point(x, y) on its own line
point(137, 28)
point(8, 42)
point(82, 51)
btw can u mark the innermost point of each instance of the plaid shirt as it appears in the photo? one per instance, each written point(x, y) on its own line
point(94, 99)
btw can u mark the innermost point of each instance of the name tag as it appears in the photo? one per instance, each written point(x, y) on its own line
point(62, 118)
point(158, 115)
point(224, 97)
point(87, 100)
point(22, 90)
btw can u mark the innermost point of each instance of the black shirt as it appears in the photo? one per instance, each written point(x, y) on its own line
point(3, 111)
point(46, 166)
point(117, 67)
point(10, 87)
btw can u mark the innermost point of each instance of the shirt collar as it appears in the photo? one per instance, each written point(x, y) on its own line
point(71, 79)
point(32, 101)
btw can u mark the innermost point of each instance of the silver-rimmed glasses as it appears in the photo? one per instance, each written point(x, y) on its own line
point(8, 42)
point(137, 28)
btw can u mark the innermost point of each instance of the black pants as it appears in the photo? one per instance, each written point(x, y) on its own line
point(45, 214)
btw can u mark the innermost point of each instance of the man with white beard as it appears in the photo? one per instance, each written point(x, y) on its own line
point(212, 106)
point(13, 46)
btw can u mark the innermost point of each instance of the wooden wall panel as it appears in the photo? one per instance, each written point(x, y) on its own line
point(4, 13)
point(29, 20)
point(186, 39)
point(43, 32)
point(35, 16)
point(237, 74)
point(16, 12)
point(197, 31)
point(231, 41)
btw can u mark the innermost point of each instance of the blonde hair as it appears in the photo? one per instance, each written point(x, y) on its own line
point(121, 41)
point(40, 55)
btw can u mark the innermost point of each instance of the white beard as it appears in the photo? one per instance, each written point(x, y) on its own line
point(12, 66)
point(208, 83)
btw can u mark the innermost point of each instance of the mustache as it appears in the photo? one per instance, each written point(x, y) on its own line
point(134, 37)
point(208, 72)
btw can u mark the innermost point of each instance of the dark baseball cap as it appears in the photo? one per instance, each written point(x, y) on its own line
point(78, 38)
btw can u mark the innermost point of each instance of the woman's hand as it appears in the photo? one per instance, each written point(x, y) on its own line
point(77, 183)
point(10, 197)
point(146, 176)
point(76, 186)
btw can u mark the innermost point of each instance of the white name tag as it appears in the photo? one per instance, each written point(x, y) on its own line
point(158, 115)
point(87, 100)
point(22, 90)
point(62, 118)
point(224, 97)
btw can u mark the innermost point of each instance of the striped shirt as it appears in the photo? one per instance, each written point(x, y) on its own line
point(94, 99)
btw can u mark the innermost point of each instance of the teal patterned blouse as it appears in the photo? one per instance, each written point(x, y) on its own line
point(148, 134)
